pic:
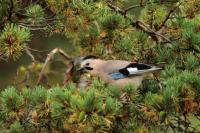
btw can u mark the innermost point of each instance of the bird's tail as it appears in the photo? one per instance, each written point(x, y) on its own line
point(152, 69)
point(155, 68)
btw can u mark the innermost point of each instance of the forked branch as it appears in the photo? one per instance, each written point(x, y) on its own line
point(49, 57)
point(139, 24)
point(168, 15)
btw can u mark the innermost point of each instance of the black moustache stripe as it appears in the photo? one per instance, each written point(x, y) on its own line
point(88, 68)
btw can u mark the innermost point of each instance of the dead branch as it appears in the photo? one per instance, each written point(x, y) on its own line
point(132, 7)
point(168, 15)
point(65, 55)
point(32, 29)
point(39, 51)
point(68, 73)
point(10, 10)
point(28, 52)
point(124, 11)
point(116, 8)
point(142, 4)
point(139, 24)
point(49, 57)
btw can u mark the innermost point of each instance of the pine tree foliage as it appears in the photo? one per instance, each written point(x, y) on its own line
point(35, 14)
point(166, 33)
point(100, 108)
point(13, 40)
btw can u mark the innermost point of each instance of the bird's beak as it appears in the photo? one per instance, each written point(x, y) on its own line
point(81, 70)
point(77, 63)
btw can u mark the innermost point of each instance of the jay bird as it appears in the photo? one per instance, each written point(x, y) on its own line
point(117, 72)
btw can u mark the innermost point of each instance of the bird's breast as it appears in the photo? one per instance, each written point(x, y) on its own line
point(135, 81)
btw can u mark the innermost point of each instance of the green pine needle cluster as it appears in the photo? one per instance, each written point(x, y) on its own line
point(35, 14)
point(13, 40)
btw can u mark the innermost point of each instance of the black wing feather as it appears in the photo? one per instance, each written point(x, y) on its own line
point(139, 66)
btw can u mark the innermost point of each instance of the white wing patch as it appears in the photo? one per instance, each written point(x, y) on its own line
point(135, 69)
point(132, 70)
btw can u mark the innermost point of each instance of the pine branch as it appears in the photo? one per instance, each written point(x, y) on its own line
point(39, 51)
point(31, 25)
point(124, 11)
point(142, 4)
point(132, 7)
point(35, 27)
point(32, 28)
point(10, 11)
point(50, 18)
point(116, 8)
point(182, 125)
point(139, 24)
point(168, 15)
point(190, 49)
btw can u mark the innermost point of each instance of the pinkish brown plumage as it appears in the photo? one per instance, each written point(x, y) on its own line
point(107, 70)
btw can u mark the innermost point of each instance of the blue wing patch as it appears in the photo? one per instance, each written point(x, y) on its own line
point(118, 76)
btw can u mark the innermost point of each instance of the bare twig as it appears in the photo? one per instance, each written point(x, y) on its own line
point(28, 52)
point(47, 20)
point(139, 24)
point(168, 15)
point(49, 57)
point(124, 11)
point(31, 25)
point(39, 51)
point(33, 29)
point(68, 73)
point(150, 31)
point(190, 49)
point(178, 17)
point(65, 55)
point(142, 4)
point(10, 11)
point(50, 18)
point(132, 7)
point(116, 8)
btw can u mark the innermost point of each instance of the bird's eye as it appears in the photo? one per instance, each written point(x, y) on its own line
point(87, 64)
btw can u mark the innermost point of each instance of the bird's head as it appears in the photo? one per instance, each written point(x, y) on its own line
point(87, 63)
